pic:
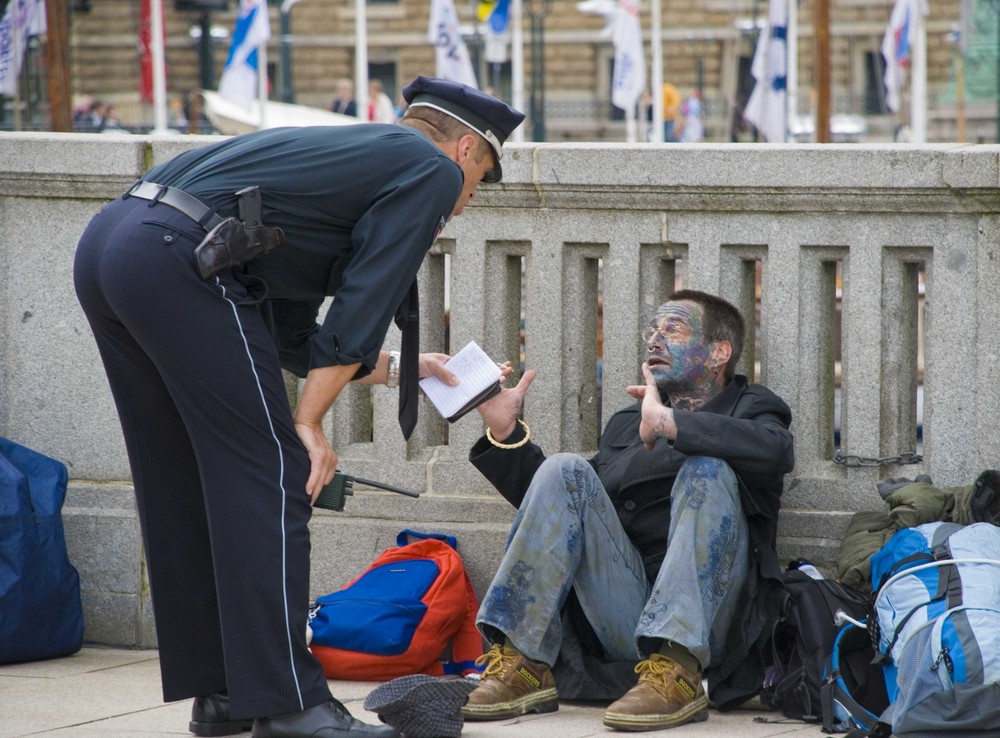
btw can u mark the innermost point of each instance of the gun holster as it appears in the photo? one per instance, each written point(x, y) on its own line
point(236, 241)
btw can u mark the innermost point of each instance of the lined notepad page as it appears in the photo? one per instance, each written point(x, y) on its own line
point(476, 370)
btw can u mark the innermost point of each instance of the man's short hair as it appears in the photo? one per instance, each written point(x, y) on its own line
point(441, 128)
point(722, 322)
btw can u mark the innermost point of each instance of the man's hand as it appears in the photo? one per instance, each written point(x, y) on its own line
point(657, 418)
point(501, 412)
point(432, 365)
point(322, 457)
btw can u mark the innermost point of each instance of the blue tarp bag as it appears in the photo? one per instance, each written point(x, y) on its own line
point(41, 615)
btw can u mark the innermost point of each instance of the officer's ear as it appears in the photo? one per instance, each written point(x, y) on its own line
point(466, 148)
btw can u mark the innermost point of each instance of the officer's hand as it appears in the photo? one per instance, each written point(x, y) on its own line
point(501, 412)
point(322, 457)
point(432, 365)
point(657, 418)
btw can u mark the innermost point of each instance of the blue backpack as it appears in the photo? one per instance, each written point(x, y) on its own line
point(854, 692)
point(937, 629)
point(40, 611)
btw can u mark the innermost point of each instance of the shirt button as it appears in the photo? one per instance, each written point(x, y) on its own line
point(630, 505)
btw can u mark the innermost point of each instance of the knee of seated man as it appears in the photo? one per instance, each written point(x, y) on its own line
point(572, 470)
point(699, 472)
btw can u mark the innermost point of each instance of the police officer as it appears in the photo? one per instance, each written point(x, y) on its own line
point(197, 298)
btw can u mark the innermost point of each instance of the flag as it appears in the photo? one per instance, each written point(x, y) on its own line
point(239, 77)
point(21, 20)
point(494, 12)
point(146, 51)
point(896, 47)
point(453, 62)
point(607, 9)
point(766, 108)
point(629, 77)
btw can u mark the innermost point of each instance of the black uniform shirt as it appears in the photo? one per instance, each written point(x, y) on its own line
point(360, 206)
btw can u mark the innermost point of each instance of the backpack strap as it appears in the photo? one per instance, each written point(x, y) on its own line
point(879, 730)
point(404, 535)
point(467, 643)
point(833, 690)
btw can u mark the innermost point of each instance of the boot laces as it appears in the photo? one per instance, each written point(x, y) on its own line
point(498, 661)
point(656, 670)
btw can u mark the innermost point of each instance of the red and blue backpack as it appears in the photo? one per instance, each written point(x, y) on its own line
point(413, 611)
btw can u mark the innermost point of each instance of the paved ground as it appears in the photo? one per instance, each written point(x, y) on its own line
point(115, 693)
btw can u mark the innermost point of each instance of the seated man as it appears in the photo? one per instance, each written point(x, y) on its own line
point(663, 544)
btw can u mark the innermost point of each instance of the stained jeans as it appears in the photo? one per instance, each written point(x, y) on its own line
point(567, 535)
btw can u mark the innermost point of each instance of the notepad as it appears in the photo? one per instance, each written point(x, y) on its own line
point(480, 377)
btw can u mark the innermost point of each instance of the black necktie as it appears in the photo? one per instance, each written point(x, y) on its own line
point(408, 321)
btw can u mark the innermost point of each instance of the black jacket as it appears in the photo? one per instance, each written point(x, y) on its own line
point(747, 426)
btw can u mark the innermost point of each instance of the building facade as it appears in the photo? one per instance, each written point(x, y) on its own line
point(708, 47)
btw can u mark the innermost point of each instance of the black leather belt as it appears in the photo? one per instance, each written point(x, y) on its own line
point(179, 200)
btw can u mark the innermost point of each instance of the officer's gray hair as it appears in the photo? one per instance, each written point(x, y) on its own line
point(442, 128)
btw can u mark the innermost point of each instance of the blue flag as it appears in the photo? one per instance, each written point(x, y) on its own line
point(239, 77)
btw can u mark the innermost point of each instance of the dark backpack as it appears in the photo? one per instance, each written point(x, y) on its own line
point(802, 639)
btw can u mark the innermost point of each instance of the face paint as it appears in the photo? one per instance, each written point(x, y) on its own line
point(676, 350)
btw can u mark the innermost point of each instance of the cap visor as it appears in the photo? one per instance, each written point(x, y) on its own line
point(494, 175)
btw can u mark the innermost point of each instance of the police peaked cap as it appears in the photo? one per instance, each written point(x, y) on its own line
point(491, 118)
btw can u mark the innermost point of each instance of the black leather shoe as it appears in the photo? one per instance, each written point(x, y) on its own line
point(329, 720)
point(210, 717)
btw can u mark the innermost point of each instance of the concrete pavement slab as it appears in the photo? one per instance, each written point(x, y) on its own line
point(115, 693)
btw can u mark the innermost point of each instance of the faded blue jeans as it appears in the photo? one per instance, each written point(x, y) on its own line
point(567, 535)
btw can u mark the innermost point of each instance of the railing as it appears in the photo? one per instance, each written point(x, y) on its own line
point(823, 246)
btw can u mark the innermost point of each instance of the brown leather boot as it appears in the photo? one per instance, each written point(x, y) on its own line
point(666, 696)
point(512, 685)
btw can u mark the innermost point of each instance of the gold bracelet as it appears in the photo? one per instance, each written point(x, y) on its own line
point(508, 446)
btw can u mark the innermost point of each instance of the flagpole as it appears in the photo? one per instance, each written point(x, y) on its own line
point(792, 65)
point(517, 64)
point(656, 49)
point(361, 59)
point(262, 80)
point(159, 67)
point(918, 85)
point(630, 124)
point(16, 43)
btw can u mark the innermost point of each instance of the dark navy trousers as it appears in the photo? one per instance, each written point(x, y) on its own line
point(218, 469)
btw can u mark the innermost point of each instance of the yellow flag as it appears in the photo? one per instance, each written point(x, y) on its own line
point(485, 9)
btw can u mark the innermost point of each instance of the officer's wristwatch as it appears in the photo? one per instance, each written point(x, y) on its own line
point(392, 378)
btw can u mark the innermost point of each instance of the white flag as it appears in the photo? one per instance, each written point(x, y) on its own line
point(896, 47)
point(630, 63)
point(239, 83)
point(453, 62)
point(23, 18)
point(766, 106)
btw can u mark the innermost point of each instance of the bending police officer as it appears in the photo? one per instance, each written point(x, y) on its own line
point(224, 475)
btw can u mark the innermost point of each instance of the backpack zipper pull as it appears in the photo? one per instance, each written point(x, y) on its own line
point(943, 654)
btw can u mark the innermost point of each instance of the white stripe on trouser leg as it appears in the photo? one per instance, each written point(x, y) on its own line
point(281, 484)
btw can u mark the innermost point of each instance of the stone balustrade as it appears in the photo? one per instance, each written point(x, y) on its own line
point(871, 272)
